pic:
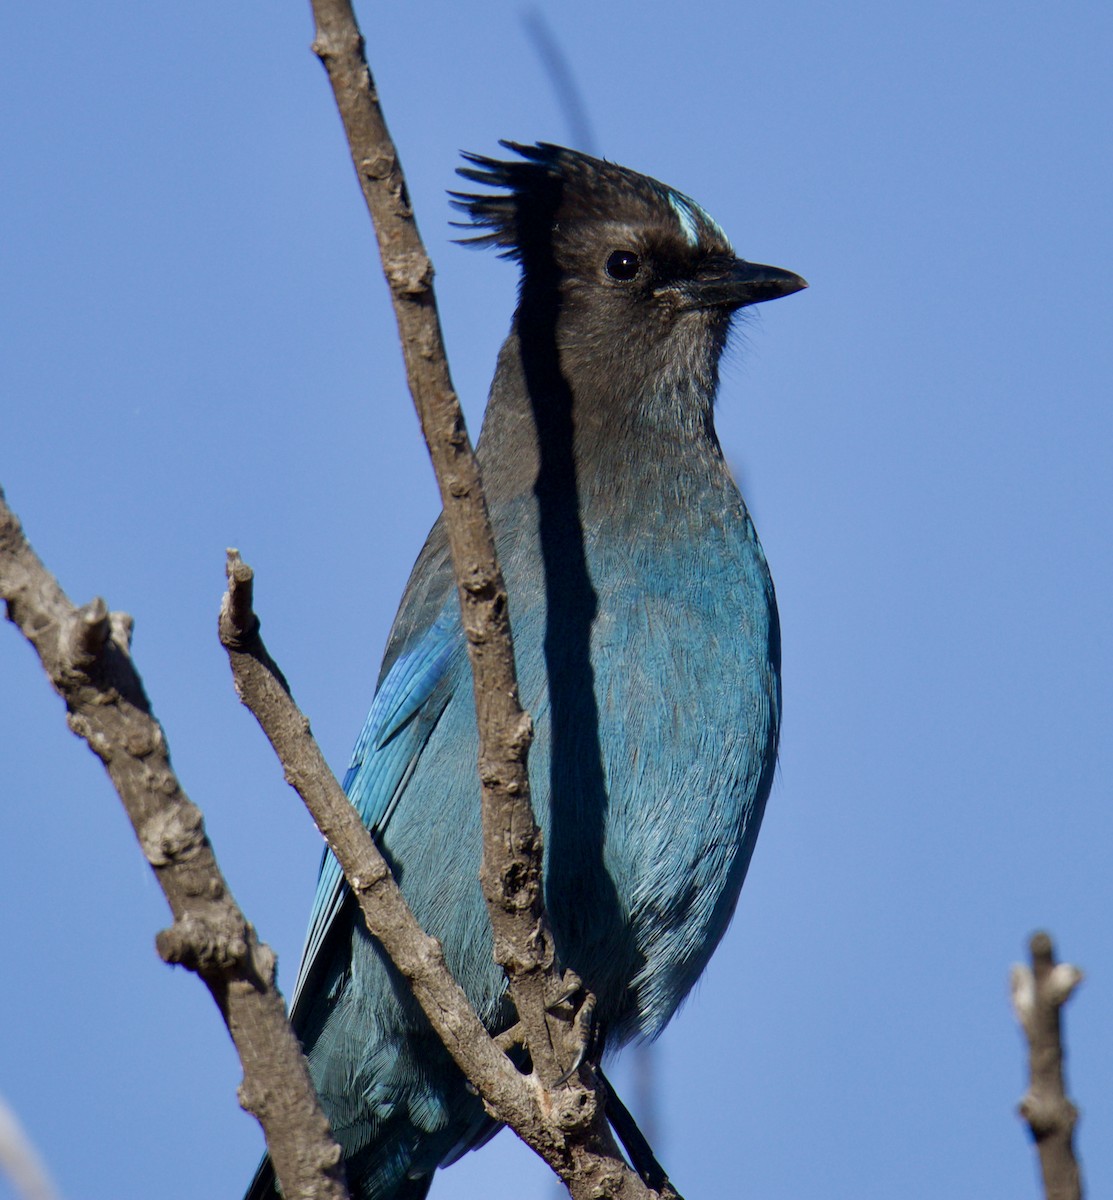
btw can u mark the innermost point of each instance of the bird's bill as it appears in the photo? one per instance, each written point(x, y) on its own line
point(736, 283)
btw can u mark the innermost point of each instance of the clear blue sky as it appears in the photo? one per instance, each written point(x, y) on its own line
point(197, 352)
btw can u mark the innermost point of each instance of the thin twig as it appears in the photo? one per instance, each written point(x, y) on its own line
point(1039, 993)
point(20, 1161)
point(512, 853)
point(262, 688)
point(85, 653)
point(555, 63)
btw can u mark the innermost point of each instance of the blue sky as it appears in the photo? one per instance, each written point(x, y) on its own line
point(197, 352)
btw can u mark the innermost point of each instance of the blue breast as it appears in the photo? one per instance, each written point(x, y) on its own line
point(653, 684)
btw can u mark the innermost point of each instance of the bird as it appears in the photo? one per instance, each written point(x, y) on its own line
point(648, 650)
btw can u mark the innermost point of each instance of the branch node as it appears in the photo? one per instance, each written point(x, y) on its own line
point(173, 835)
point(97, 740)
point(370, 879)
point(521, 735)
point(1022, 984)
point(410, 274)
point(253, 1100)
point(608, 1186)
point(509, 1040)
point(202, 946)
point(574, 1108)
point(1061, 982)
point(86, 635)
point(1046, 1116)
point(335, 43)
point(475, 581)
point(379, 164)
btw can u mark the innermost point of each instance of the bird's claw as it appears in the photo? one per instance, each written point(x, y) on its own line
point(568, 987)
point(583, 1033)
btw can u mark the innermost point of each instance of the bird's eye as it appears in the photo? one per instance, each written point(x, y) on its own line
point(623, 265)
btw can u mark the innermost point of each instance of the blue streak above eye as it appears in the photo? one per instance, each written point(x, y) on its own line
point(691, 216)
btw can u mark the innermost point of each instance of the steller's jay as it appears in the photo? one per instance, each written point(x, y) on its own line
point(648, 652)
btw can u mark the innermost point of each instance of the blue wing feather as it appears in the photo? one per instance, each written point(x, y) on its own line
point(404, 713)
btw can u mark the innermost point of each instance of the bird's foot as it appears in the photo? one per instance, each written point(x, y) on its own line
point(574, 1007)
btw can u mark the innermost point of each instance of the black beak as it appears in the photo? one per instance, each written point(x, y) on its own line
point(734, 283)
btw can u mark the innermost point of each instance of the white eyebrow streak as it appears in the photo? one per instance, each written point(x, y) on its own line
point(690, 214)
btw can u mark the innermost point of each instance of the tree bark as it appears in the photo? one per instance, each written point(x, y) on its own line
point(1039, 993)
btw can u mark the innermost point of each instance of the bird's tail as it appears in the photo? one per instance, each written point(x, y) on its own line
point(264, 1186)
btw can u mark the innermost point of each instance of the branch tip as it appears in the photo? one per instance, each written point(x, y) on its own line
point(1041, 949)
point(88, 631)
point(1062, 981)
point(238, 571)
point(1038, 995)
point(123, 627)
point(238, 622)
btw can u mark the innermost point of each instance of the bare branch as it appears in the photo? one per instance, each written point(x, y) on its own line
point(85, 653)
point(1038, 993)
point(262, 688)
point(19, 1160)
point(512, 853)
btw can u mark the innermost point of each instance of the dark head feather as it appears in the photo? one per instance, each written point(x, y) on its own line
point(554, 186)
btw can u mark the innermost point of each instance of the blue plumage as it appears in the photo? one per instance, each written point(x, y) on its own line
point(648, 653)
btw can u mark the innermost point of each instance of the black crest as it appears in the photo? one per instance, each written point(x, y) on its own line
point(552, 185)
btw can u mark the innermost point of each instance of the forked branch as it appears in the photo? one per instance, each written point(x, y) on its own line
point(1039, 993)
point(86, 655)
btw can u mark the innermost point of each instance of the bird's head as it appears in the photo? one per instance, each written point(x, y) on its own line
point(632, 279)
